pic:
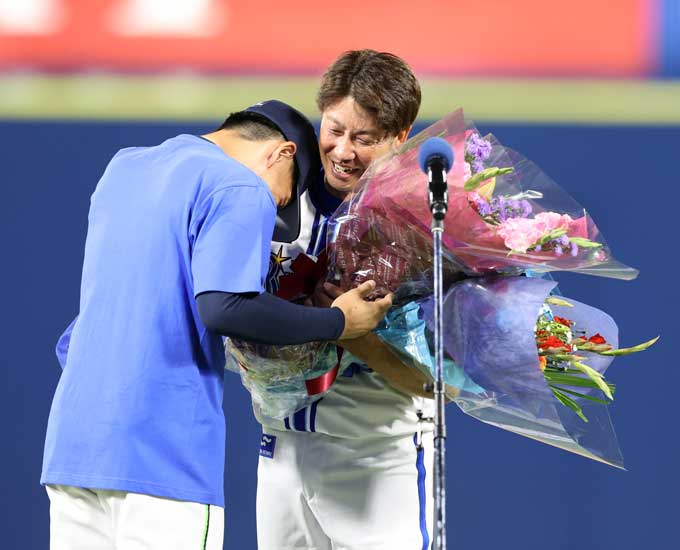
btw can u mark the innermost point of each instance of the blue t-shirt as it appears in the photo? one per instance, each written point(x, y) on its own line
point(138, 407)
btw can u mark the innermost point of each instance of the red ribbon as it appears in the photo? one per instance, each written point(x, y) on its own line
point(321, 383)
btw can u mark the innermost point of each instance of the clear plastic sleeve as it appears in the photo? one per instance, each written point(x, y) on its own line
point(284, 379)
point(504, 216)
point(491, 359)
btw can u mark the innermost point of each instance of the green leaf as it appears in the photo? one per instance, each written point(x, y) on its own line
point(554, 300)
point(593, 348)
point(476, 180)
point(583, 396)
point(553, 352)
point(569, 402)
point(595, 377)
point(560, 371)
point(565, 357)
point(554, 234)
point(576, 380)
point(628, 351)
point(584, 243)
point(571, 380)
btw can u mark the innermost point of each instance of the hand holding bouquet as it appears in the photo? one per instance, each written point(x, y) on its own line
point(518, 361)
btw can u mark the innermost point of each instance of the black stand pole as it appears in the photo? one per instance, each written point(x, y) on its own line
point(438, 204)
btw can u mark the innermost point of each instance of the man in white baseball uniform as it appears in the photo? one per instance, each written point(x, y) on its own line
point(352, 470)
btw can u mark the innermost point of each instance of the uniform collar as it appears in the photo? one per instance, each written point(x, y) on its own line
point(321, 198)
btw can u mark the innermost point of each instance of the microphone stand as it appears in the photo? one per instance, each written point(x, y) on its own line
point(438, 197)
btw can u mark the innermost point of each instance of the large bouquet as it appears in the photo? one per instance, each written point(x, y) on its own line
point(504, 216)
point(521, 359)
point(503, 363)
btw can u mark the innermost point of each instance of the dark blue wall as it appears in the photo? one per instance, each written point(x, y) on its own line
point(504, 491)
point(669, 38)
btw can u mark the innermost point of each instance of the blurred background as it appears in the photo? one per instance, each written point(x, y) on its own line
point(589, 90)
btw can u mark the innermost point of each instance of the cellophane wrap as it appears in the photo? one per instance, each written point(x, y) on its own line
point(491, 359)
point(278, 377)
point(382, 231)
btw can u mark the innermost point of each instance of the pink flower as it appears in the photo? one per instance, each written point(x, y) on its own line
point(467, 171)
point(520, 234)
point(553, 220)
point(600, 256)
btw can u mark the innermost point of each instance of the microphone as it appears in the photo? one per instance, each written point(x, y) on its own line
point(436, 158)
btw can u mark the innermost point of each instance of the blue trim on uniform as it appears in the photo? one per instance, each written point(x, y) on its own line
point(312, 415)
point(322, 241)
point(420, 466)
point(325, 205)
point(286, 423)
point(354, 369)
point(315, 230)
point(299, 419)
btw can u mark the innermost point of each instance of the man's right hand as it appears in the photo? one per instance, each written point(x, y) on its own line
point(361, 316)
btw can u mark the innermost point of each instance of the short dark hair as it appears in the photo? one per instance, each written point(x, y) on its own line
point(380, 82)
point(252, 126)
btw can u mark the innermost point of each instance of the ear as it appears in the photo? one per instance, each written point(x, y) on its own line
point(401, 136)
point(283, 151)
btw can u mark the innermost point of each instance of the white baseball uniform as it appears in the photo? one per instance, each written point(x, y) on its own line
point(353, 469)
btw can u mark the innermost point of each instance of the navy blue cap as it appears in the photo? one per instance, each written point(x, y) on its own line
point(296, 128)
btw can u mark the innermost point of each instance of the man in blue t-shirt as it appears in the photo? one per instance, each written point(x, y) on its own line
point(176, 255)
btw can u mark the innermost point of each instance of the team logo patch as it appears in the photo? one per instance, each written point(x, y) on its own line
point(267, 445)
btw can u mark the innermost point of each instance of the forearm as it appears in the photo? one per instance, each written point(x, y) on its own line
point(266, 319)
point(378, 356)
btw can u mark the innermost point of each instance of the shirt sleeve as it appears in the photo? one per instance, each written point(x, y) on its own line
point(266, 319)
point(63, 344)
point(230, 232)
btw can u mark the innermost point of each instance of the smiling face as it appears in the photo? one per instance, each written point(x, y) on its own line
point(349, 141)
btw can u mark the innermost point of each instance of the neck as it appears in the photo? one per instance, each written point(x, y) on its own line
point(244, 151)
point(340, 195)
point(255, 155)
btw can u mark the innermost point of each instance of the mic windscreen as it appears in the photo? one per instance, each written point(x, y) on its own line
point(435, 147)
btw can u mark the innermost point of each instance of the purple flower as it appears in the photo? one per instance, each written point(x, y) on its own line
point(477, 165)
point(563, 240)
point(558, 250)
point(574, 249)
point(479, 147)
point(478, 150)
point(538, 248)
point(526, 208)
point(502, 205)
point(483, 208)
